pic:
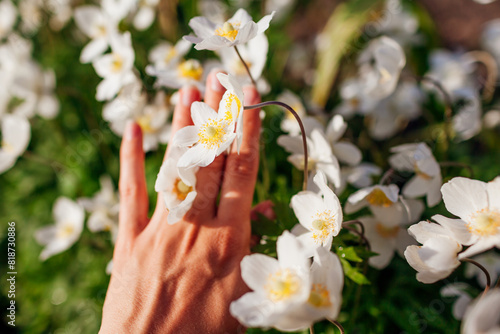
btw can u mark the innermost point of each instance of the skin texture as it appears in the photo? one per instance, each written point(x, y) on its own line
point(181, 278)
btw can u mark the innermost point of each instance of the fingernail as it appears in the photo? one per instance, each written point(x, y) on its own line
point(132, 130)
point(215, 83)
point(189, 94)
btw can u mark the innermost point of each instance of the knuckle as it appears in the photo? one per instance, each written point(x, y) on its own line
point(128, 189)
point(242, 166)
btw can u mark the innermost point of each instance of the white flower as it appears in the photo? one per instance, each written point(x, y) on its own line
point(239, 29)
point(491, 38)
point(69, 217)
point(154, 122)
point(255, 55)
point(279, 286)
point(353, 99)
point(61, 12)
point(211, 135)
point(467, 121)
point(8, 16)
point(437, 257)
point(321, 216)
point(130, 102)
point(320, 155)
point(103, 208)
point(478, 205)
point(145, 15)
point(16, 135)
point(483, 316)
point(452, 70)
point(177, 75)
point(484, 2)
point(418, 158)
point(491, 261)
point(231, 104)
point(165, 54)
point(360, 176)
point(380, 65)
point(398, 24)
point(344, 151)
point(460, 305)
point(99, 26)
point(115, 68)
point(385, 240)
point(31, 12)
point(177, 185)
point(118, 9)
point(289, 123)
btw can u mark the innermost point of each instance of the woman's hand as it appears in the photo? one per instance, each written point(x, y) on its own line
point(181, 278)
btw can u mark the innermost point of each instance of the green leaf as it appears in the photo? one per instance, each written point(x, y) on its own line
point(353, 273)
point(348, 253)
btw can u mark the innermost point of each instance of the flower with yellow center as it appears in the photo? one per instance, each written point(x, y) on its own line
point(319, 297)
point(282, 285)
point(190, 69)
point(485, 223)
point(231, 105)
point(378, 198)
point(238, 30)
point(16, 135)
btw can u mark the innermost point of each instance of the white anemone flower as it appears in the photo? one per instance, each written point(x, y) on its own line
point(69, 217)
point(418, 158)
point(165, 54)
point(16, 135)
point(483, 316)
point(452, 70)
point(8, 16)
point(289, 124)
point(462, 302)
point(467, 122)
point(437, 258)
point(145, 15)
point(399, 24)
point(118, 9)
point(239, 29)
point(491, 38)
point(177, 185)
point(380, 65)
point(385, 241)
point(490, 261)
point(344, 151)
point(360, 176)
point(210, 136)
point(353, 99)
point(179, 74)
point(99, 26)
point(154, 122)
point(477, 203)
point(319, 214)
point(231, 104)
point(115, 68)
point(279, 286)
point(31, 12)
point(103, 208)
point(320, 155)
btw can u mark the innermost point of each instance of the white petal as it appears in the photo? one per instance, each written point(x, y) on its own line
point(186, 136)
point(93, 49)
point(290, 253)
point(263, 23)
point(201, 113)
point(197, 156)
point(463, 197)
point(335, 129)
point(176, 213)
point(253, 310)
point(202, 27)
point(255, 270)
point(493, 191)
point(457, 227)
point(347, 152)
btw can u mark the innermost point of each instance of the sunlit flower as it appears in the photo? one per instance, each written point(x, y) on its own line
point(115, 68)
point(177, 75)
point(353, 99)
point(69, 217)
point(103, 208)
point(320, 214)
point(289, 124)
point(239, 29)
point(8, 16)
point(118, 9)
point(177, 185)
point(231, 104)
point(145, 15)
point(462, 302)
point(418, 158)
point(385, 241)
point(16, 135)
point(437, 258)
point(131, 101)
point(211, 135)
point(380, 65)
point(165, 54)
point(467, 121)
point(477, 203)
point(279, 286)
point(344, 151)
point(483, 316)
point(490, 261)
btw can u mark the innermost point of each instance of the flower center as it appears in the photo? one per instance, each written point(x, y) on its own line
point(116, 64)
point(181, 189)
point(354, 102)
point(387, 232)
point(282, 285)
point(485, 222)
point(144, 122)
point(232, 101)
point(211, 134)
point(323, 226)
point(228, 31)
point(191, 69)
point(378, 198)
point(320, 296)
point(101, 31)
point(65, 231)
point(7, 147)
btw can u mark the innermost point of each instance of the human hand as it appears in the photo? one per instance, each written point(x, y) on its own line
point(181, 278)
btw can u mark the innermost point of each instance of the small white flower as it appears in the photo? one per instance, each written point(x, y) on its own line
point(477, 203)
point(491, 261)
point(103, 208)
point(231, 104)
point(177, 185)
point(16, 135)
point(239, 29)
point(289, 124)
point(145, 15)
point(31, 12)
point(8, 16)
point(211, 135)
point(115, 68)
point(452, 70)
point(483, 316)
point(165, 54)
point(177, 75)
point(279, 286)
point(118, 9)
point(491, 38)
point(69, 217)
point(361, 175)
point(418, 158)
point(320, 214)
point(380, 65)
point(344, 151)
point(460, 305)
point(353, 99)
point(399, 24)
point(467, 121)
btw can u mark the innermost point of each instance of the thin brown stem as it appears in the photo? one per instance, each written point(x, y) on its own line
point(246, 66)
point(361, 235)
point(386, 177)
point(458, 164)
point(489, 62)
point(339, 326)
point(302, 130)
point(483, 269)
point(311, 329)
point(355, 222)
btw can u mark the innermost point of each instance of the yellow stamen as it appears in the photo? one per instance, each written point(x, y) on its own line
point(116, 64)
point(378, 198)
point(387, 232)
point(320, 296)
point(181, 190)
point(282, 285)
point(212, 133)
point(228, 30)
point(485, 222)
point(230, 100)
point(190, 69)
point(323, 226)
